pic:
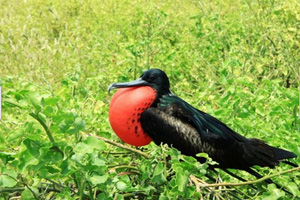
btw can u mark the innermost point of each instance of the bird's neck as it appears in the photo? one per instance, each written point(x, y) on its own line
point(159, 95)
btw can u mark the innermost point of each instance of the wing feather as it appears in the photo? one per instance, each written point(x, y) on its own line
point(178, 124)
point(209, 128)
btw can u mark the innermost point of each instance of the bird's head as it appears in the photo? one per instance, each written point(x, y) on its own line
point(155, 78)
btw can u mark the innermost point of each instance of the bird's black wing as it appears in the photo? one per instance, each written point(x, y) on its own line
point(192, 131)
point(208, 127)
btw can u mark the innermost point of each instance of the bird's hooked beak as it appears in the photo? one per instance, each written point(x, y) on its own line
point(136, 83)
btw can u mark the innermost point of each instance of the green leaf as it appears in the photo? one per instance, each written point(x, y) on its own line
point(181, 180)
point(79, 158)
point(121, 185)
point(33, 147)
point(8, 178)
point(51, 155)
point(79, 124)
point(96, 179)
point(97, 161)
point(94, 142)
point(293, 187)
point(29, 194)
point(49, 110)
point(6, 157)
point(26, 159)
point(65, 194)
point(89, 144)
point(34, 100)
point(51, 101)
point(274, 193)
point(64, 125)
point(15, 135)
point(66, 167)
point(158, 174)
point(82, 148)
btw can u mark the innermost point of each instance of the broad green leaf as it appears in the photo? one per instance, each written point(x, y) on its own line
point(82, 147)
point(6, 157)
point(8, 177)
point(51, 155)
point(51, 101)
point(26, 159)
point(49, 110)
point(96, 179)
point(182, 179)
point(65, 194)
point(95, 143)
point(158, 174)
point(293, 188)
point(274, 193)
point(15, 135)
point(79, 124)
point(64, 125)
point(30, 194)
point(33, 147)
point(34, 99)
point(97, 161)
point(79, 157)
point(121, 185)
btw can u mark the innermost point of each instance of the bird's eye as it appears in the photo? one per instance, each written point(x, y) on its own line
point(152, 78)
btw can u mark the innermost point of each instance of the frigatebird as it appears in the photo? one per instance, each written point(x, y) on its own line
point(170, 120)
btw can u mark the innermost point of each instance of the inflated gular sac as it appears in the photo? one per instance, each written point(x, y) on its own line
point(125, 111)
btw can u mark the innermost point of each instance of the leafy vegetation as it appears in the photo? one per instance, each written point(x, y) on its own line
point(238, 61)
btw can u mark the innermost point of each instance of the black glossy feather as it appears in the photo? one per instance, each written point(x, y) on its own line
point(173, 121)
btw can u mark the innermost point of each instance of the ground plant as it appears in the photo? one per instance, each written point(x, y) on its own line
point(236, 60)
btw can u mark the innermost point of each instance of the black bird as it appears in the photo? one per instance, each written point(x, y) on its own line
point(170, 120)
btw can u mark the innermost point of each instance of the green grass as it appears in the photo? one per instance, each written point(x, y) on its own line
point(238, 61)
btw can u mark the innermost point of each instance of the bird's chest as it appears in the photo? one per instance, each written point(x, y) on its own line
point(125, 111)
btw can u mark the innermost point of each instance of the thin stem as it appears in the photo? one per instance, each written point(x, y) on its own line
point(26, 185)
point(35, 116)
point(13, 103)
point(249, 182)
point(131, 194)
point(123, 146)
point(43, 125)
point(122, 166)
point(19, 189)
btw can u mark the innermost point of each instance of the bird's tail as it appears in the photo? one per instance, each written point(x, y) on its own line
point(259, 153)
point(283, 154)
